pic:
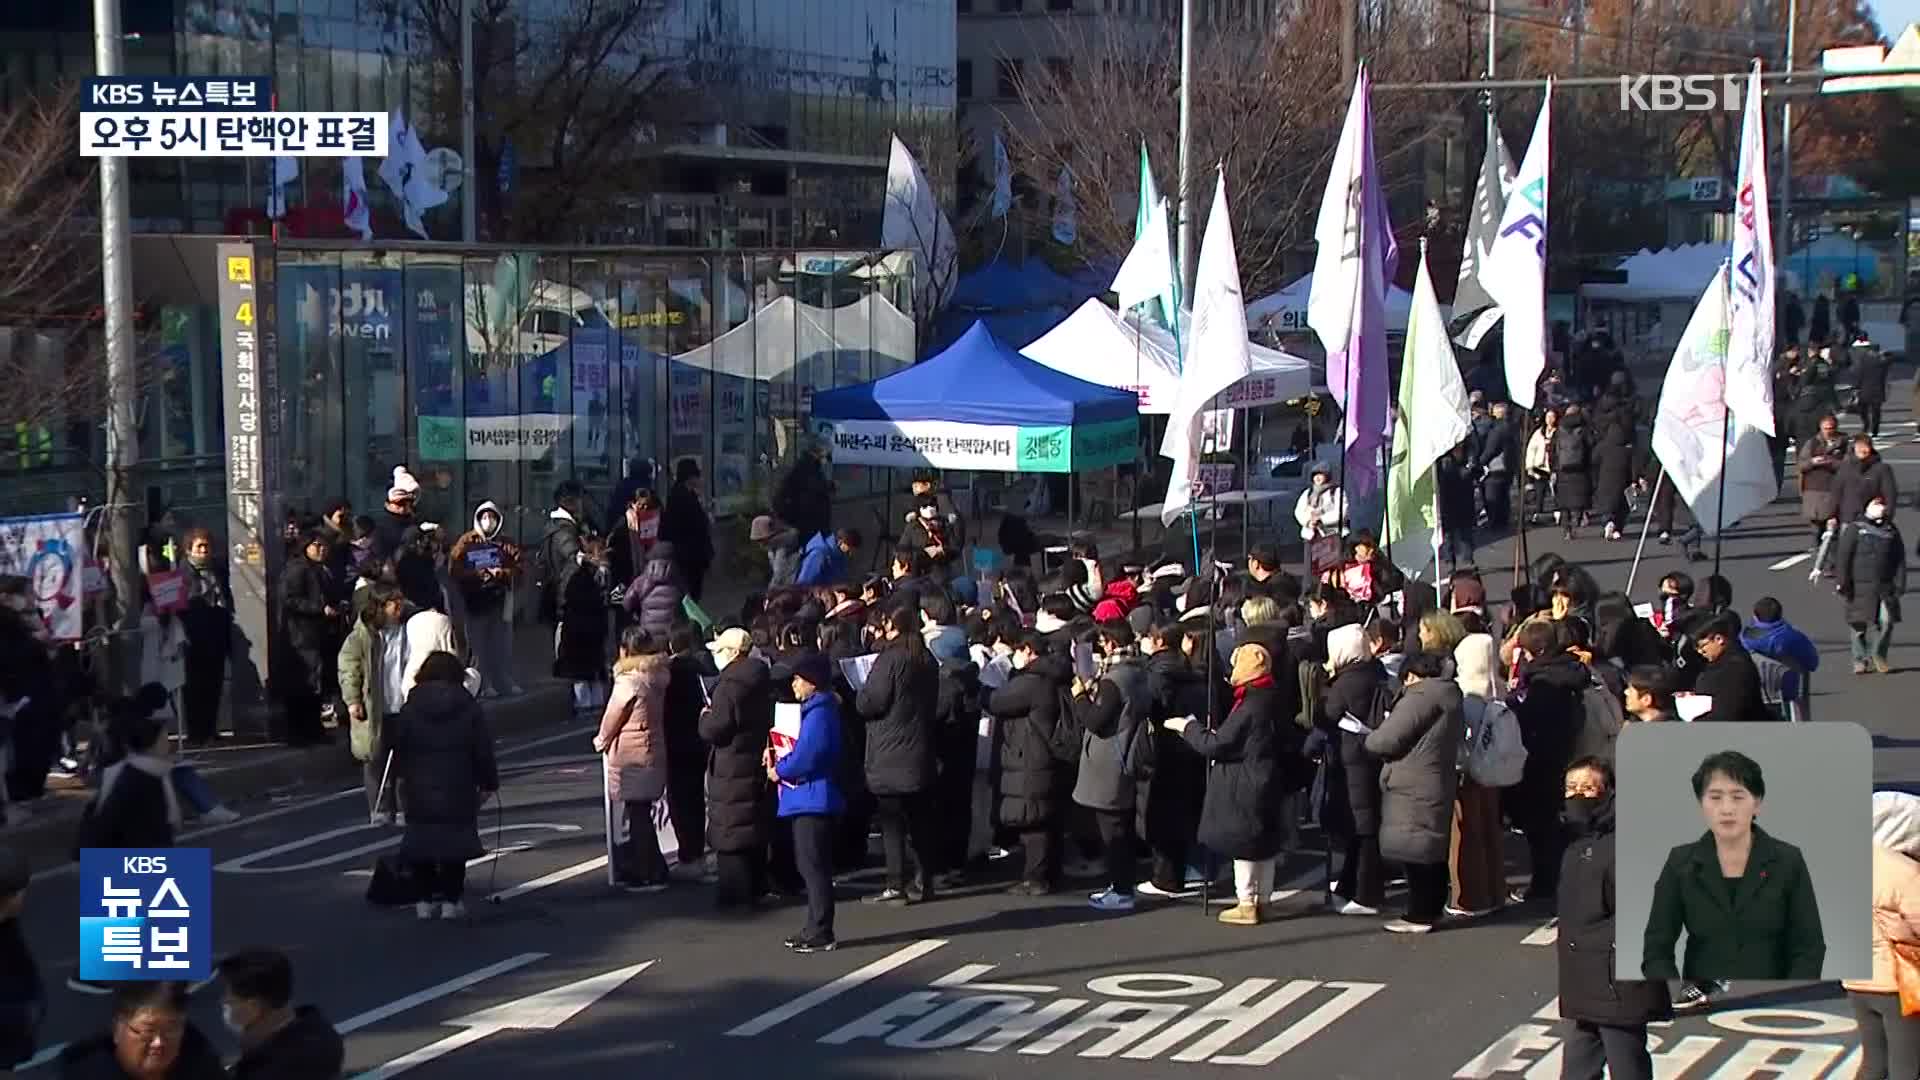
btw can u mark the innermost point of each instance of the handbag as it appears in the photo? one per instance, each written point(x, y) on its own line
point(1906, 975)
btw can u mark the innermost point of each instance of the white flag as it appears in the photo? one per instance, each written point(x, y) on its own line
point(1750, 352)
point(1433, 417)
point(284, 170)
point(405, 173)
point(1065, 213)
point(1515, 273)
point(1147, 274)
point(1338, 276)
point(1489, 205)
point(353, 197)
point(911, 220)
point(1002, 178)
point(1217, 356)
point(1692, 421)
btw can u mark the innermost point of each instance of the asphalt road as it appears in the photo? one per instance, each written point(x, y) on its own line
point(565, 975)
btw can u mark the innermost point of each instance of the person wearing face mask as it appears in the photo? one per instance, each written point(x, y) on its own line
point(1744, 897)
point(928, 531)
point(735, 727)
point(1028, 710)
point(208, 622)
point(1321, 509)
point(483, 565)
point(1607, 1018)
point(1871, 560)
point(277, 1040)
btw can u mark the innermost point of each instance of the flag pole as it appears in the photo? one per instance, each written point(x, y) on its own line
point(1437, 530)
point(1140, 461)
point(1726, 433)
point(1634, 571)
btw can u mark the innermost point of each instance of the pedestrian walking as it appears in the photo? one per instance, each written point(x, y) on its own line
point(1419, 747)
point(897, 706)
point(632, 740)
point(1820, 458)
point(1573, 478)
point(1869, 383)
point(1871, 560)
point(1889, 1039)
point(809, 798)
point(735, 727)
point(1861, 478)
point(443, 759)
point(1607, 1017)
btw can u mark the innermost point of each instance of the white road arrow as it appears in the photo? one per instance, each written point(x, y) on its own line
point(541, 1012)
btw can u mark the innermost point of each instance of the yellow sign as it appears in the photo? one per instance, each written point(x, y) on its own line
point(244, 313)
point(240, 268)
point(656, 318)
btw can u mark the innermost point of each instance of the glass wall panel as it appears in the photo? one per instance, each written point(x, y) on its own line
point(434, 429)
point(316, 426)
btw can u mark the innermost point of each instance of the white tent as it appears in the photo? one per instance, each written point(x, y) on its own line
point(784, 332)
point(1675, 273)
point(1286, 310)
point(1096, 344)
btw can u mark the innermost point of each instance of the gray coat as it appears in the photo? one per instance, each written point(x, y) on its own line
point(1109, 720)
point(1420, 743)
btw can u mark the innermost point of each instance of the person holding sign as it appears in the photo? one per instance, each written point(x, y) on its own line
point(809, 798)
point(484, 566)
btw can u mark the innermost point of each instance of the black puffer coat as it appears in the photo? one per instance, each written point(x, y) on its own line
point(1028, 708)
point(1588, 990)
point(1872, 560)
point(1240, 818)
point(736, 726)
point(1351, 805)
point(443, 756)
point(1179, 783)
point(1573, 465)
point(898, 704)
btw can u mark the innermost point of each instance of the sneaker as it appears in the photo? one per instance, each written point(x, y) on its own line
point(1859, 668)
point(1029, 888)
point(644, 886)
point(1463, 913)
point(1241, 914)
point(1148, 888)
point(1109, 900)
point(1880, 665)
point(1406, 926)
point(455, 910)
point(424, 910)
point(823, 943)
point(889, 897)
point(219, 815)
point(80, 986)
point(1354, 907)
point(1527, 896)
point(919, 893)
point(1699, 995)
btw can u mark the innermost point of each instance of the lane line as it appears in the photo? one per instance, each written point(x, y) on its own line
point(1791, 561)
point(438, 990)
point(317, 800)
point(429, 1052)
point(852, 980)
point(563, 874)
point(1546, 934)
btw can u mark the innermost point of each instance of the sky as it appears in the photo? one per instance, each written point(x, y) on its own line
point(1895, 15)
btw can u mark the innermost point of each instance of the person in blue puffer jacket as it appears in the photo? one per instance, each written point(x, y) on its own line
point(1772, 636)
point(809, 798)
point(825, 559)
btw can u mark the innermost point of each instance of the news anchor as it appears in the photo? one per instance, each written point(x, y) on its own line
point(1744, 898)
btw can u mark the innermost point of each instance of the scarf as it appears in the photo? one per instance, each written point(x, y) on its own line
point(153, 765)
point(1240, 692)
point(1114, 658)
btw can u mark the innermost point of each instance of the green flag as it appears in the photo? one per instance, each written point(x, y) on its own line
point(1433, 418)
point(1152, 214)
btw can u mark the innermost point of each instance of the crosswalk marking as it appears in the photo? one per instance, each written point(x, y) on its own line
point(964, 975)
point(1791, 561)
point(767, 1021)
point(1546, 934)
point(563, 874)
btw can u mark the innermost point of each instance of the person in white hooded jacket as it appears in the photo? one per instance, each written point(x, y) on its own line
point(484, 565)
point(1322, 508)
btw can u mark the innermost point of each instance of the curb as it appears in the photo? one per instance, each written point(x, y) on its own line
point(45, 840)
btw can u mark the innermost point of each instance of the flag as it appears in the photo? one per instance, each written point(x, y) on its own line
point(353, 197)
point(1217, 353)
point(1433, 418)
point(1065, 226)
point(405, 173)
point(1515, 271)
point(1151, 229)
point(1470, 298)
point(911, 220)
point(1691, 421)
point(1347, 304)
point(1750, 351)
point(284, 170)
point(1002, 178)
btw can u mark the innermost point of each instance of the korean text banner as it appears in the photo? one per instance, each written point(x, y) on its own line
point(233, 134)
point(145, 914)
point(49, 551)
point(983, 447)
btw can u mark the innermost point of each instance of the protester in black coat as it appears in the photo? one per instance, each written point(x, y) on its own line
point(1029, 710)
point(686, 753)
point(898, 704)
point(684, 524)
point(1862, 476)
point(314, 630)
point(1730, 677)
point(135, 805)
point(1573, 469)
point(1550, 716)
point(1613, 452)
point(1872, 565)
point(278, 1041)
point(1870, 386)
point(443, 759)
point(1350, 780)
point(1245, 751)
point(1177, 790)
point(1609, 1016)
point(736, 727)
point(956, 745)
point(23, 994)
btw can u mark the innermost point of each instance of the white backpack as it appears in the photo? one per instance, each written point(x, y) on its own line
point(1495, 755)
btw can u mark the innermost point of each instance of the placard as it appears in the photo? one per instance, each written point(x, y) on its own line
point(48, 550)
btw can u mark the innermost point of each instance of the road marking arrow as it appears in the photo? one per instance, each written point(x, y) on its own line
point(541, 1012)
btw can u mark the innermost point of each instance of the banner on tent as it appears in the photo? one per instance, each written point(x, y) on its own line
point(984, 447)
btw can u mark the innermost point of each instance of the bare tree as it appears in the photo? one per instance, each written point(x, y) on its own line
point(1256, 109)
point(579, 92)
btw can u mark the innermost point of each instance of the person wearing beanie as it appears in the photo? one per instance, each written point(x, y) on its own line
point(809, 798)
point(782, 545)
point(396, 519)
point(23, 996)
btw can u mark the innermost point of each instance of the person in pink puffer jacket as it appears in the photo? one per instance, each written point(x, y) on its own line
point(633, 737)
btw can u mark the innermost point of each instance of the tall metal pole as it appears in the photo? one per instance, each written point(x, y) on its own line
point(1186, 154)
point(1349, 38)
point(1783, 248)
point(116, 273)
point(469, 191)
point(1493, 20)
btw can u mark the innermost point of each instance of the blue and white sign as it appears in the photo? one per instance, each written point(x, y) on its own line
point(176, 93)
point(146, 914)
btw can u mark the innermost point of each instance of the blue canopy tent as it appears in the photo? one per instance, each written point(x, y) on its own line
point(979, 404)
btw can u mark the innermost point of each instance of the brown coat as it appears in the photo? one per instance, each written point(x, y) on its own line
point(633, 729)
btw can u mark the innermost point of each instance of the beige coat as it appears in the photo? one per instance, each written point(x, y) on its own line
point(633, 729)
point(1896, 916)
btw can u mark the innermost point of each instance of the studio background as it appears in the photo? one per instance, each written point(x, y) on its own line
point(1819, 779)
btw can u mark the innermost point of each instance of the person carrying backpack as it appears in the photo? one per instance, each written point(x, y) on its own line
point(1573, 471)
point(1495, 758)
point(1116, 750)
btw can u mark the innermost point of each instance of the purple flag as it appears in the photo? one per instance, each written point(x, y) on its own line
point(1348, 300)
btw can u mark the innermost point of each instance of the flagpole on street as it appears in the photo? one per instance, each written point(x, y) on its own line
point(1634, 570)
point(1140, 465)
point(1726, 433)
point(1185, 255)
point(1437, 530)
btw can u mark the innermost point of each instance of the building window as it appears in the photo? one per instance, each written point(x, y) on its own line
point(1010, 6)
point(963, 79)
point(1060, 69)
point(1007, 79)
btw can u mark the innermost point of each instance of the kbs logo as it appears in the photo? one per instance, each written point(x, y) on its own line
point(1680, 93)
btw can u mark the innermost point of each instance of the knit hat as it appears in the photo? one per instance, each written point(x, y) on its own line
point(814, 667)
point(1469, 594)
point(404, 485)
